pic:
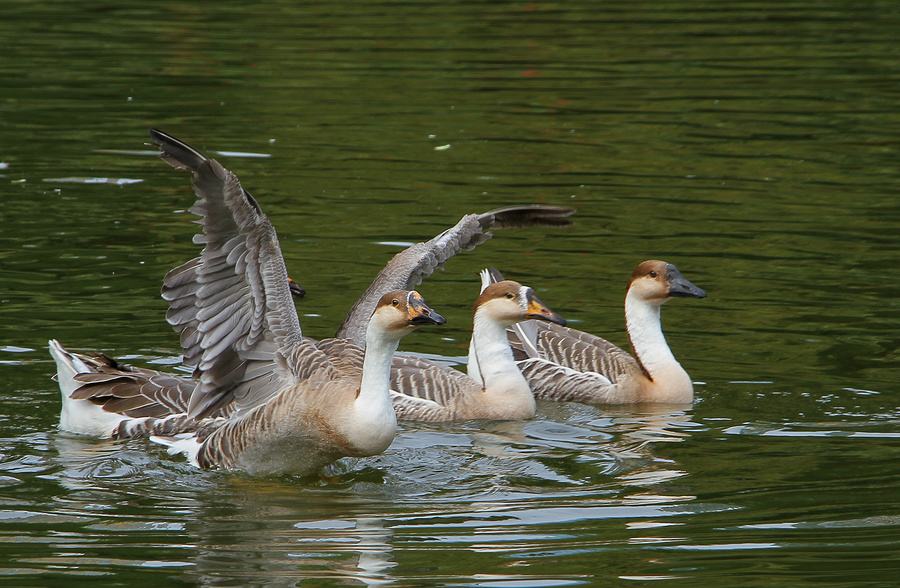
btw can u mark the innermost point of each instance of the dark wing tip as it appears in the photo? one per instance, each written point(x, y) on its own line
point(176, 152)
point(534, 215)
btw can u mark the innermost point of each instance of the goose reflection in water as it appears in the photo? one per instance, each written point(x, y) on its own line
point(624, 443)
point(350, 549)
point(217, 526)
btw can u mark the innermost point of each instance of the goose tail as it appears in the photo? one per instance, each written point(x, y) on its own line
point(79, 415)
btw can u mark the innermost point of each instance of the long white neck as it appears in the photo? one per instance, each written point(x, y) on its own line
point(648, 342)
point(490, 356)
point(376, 372)
point(371, 424)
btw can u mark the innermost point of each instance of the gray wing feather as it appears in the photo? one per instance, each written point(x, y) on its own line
point(425, 380)
point(585, 352)
point(532, 215)
point(575, 349)
point(411, 408)
point(551, 381)
point(232, 303)
point(408, 268)
point(345, 355)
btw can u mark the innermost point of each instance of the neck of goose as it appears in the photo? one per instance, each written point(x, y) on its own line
point(370, 426)
point(376, 373)
point(649, 344)
point(490, 356)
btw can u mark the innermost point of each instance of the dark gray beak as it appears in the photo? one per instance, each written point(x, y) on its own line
point(296, 289)
point(679, 287)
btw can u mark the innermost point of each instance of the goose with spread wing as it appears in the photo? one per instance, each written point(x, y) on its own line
point(562, 363)
point(265, 399)
point(493, 387)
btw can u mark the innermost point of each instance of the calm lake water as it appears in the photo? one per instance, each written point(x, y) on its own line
point(754, 145)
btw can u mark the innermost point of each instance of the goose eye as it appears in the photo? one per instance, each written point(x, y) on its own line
point(395, 302)
point(510, 295)
point(652, 273)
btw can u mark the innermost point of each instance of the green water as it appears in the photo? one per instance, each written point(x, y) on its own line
point(752, 144)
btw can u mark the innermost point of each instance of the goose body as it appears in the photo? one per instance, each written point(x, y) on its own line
point(561, 363)
point(342, 408)
point(264, 399)
point(493, 388)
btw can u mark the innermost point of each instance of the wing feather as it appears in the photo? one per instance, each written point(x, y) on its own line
point(407, 269)
point(583, 351)
point(232, 302)
point(551, 381)
point(131, 391)
point(419, 409)
point(425, 380)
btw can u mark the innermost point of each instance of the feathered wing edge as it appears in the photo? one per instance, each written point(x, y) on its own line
point(551, 381)
point(128, 401)
point(407, 269)
point(232, 304)
point(123, 389)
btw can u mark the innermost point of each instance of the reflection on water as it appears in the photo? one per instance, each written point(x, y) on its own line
point(486, 488)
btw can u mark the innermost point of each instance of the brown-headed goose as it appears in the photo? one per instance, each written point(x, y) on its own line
point(494, 388)
point(561, 363)
point(265, 399)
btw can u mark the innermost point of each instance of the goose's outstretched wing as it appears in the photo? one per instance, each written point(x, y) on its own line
point(408, 268)
point(232, 304)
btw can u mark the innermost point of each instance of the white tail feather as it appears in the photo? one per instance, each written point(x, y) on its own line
point(79, 416)
point(185, 443)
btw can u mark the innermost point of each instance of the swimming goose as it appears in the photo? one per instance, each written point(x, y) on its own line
point(494, 388)
point(265, 399)
point(407, 269)
point(338, 404)
point(561, 363)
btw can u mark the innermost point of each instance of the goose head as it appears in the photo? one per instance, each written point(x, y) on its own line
point(508, 302)
point(400, 312)
point(656, 282)
point(296, 289)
